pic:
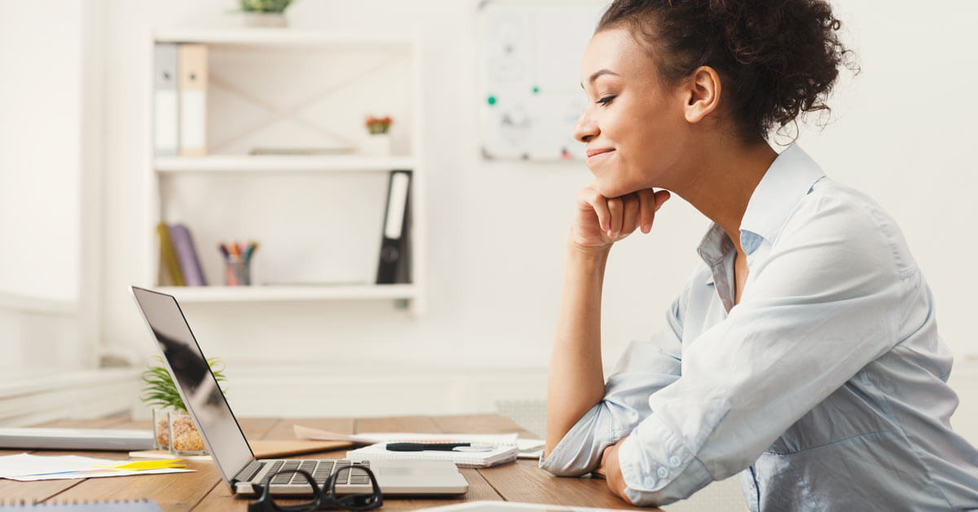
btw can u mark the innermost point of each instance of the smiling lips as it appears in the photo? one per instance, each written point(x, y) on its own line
point(593, 154)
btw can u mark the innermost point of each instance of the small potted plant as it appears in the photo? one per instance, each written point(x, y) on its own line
point(379, 140)
point(173, 428)
point(264, 13)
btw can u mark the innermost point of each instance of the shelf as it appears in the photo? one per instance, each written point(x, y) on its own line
point(279, 37)
point(281, 164)
point(337, 187)
point(203, 294)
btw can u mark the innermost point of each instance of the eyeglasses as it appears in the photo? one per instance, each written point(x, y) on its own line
point(324, 498)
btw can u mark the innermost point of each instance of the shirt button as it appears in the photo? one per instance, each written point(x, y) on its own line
point(674, 461)
point(662, 472)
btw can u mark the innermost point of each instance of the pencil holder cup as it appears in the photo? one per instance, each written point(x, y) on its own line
point(238, 272)
point(184, 437)
point(161, 428)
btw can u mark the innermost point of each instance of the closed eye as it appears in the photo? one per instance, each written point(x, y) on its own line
point(606, 100)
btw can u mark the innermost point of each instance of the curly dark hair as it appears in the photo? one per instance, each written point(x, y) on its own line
point(777, 58)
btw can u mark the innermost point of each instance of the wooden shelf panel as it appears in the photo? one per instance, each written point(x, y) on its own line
point(202, 294)
point(279, 164)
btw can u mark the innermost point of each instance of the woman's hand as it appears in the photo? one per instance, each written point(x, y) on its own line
point(611, 470)
point(600, 222)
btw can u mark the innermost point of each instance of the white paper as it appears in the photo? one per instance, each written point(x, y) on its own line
point(499, 454)
point(529, 448)
point(25, 467)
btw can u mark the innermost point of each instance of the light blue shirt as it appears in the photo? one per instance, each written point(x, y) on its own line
point(824, 387)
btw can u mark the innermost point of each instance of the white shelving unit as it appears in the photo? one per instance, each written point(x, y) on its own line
point(178, 183)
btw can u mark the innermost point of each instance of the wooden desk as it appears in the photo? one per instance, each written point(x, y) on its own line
point(205, 490)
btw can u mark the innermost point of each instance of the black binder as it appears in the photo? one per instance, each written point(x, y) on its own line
point(395, 250)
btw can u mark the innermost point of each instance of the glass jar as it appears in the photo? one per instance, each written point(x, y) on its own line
point(184, 437)
point(161, 428)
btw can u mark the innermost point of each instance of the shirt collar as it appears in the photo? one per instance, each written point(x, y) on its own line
point(714, 246)
point(790, 177)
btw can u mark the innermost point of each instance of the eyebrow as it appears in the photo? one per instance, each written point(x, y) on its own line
point(596, 74)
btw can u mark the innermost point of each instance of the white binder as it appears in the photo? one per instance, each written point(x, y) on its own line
point(166, 110)
point(193, 99)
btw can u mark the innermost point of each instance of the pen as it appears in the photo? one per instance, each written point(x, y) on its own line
point(442, 447)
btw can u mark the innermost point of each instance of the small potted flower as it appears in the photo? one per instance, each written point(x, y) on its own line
point(378, 141)
point(173, 428)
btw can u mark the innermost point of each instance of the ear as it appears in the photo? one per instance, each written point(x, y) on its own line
point(701, 93)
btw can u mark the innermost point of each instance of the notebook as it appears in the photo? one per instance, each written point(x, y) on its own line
point(498, 455)
point(91, 506)
point(75, 439)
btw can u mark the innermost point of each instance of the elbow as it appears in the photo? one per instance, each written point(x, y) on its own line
point(562, 466)
point(563, 460)
point(577, 451)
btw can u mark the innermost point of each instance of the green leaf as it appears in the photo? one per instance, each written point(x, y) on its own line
point(159, 389)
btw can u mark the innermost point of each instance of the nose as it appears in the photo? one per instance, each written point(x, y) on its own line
point(585, 129)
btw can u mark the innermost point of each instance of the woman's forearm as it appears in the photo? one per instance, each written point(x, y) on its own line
point(576, 379)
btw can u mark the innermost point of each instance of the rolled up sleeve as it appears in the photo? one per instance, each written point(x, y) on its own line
point(645, 367)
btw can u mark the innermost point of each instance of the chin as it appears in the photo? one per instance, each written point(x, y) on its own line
point(612, 189)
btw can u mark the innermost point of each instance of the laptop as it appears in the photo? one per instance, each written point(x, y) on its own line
point(227, 444)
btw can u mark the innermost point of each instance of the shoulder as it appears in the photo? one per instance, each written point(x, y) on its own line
point(831, 203)
point(848, 224)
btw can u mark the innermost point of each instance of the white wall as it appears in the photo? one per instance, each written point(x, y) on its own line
point(496, 229)
point(41, 119)
point(40, 127)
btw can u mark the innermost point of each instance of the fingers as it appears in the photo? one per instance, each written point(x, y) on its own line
point(617, 208)
point(661, 197)
point(617, 217)
point(599, 204)
point(646, 212)
point(624, 215)
point(649, 202)
point(630, 217)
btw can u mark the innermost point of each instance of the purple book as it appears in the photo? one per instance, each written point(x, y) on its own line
point(183, 243)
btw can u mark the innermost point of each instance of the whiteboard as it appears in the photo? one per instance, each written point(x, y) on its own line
point(531, 96)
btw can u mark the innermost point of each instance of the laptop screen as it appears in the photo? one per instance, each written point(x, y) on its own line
point(196, 383)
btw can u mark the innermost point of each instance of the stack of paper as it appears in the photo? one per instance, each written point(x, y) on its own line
point(496, 455)
point(527, 448)
point(26, 467)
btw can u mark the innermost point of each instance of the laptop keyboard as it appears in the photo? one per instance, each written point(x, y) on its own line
point(320, 471)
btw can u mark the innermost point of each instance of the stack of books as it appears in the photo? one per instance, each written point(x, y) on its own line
point(179, 264)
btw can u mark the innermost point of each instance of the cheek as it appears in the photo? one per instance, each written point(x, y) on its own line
point(651, 146)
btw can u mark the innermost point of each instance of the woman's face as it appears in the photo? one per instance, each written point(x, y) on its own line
point(633, 125)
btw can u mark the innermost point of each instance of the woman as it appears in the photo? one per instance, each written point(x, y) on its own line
point(804, 353)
